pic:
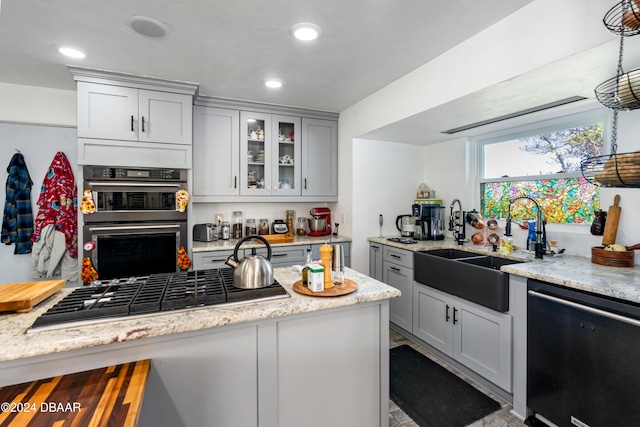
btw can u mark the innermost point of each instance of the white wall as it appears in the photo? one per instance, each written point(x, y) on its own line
point(385, 178)
point(37, 105)
point(539, 34)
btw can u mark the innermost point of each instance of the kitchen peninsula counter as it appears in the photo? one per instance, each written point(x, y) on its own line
point(221, 359)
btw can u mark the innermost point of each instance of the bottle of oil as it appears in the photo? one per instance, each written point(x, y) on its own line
point(305, 269)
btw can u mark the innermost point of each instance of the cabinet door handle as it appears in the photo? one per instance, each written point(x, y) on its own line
point(235, 182)
point(142, 123)
point(455, 310)
point(305, 183)
point(375, 247)
point(446, 313)
point(131, 123)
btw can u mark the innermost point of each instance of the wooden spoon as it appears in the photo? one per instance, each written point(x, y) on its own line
point(634, 247)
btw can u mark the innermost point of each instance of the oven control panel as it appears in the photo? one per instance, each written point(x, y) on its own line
point(134, 174)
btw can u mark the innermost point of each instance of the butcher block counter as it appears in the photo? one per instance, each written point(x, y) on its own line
point(244, 365)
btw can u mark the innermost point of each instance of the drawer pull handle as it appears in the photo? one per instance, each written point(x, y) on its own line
point(395, 269)
point(395, 256)
point(278, 255)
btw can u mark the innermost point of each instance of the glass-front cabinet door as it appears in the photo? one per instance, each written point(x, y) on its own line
point(286, 156)
point(255, 154)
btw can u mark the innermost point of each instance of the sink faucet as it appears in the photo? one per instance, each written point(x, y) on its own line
point(541, 232)
point(459, 224)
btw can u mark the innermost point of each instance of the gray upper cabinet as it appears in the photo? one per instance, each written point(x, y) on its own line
point(320, 157)
point(135, 121)
point(216, 152)
point(253, 153)
point(130, 114)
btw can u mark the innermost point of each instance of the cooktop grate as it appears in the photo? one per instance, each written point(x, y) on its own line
point(156, 293)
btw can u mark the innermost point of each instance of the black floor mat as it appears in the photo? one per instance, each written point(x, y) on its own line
point(431, 395)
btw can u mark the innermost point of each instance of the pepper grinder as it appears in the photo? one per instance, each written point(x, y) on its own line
point(325, 259)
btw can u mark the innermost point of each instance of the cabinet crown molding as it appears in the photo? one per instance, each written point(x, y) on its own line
point(112, 78)
point(260, 107)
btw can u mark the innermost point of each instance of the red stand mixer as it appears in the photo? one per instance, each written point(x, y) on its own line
point(320, 224)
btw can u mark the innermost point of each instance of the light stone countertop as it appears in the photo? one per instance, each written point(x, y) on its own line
point(566, 270)
point(226, 245)
point(17, 344)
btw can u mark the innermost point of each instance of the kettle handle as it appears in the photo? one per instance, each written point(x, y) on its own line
point(250, 237)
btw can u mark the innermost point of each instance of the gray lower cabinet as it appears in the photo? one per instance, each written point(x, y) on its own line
point(397, 271)
point(211, 259)
point(281, 256)
point(477, 337)
point(375, 261)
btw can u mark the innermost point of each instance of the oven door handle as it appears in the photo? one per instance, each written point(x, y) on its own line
point(132, 184)
point(133, 227)
point(586, 308)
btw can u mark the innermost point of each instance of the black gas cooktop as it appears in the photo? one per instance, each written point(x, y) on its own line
point(153, 294)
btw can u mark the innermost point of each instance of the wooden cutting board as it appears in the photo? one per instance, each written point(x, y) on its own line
point(22, 297)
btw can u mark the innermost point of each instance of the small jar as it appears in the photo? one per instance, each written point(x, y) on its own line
point(302, 227)
point(250, 228)
point(225, 230)
point(237, 225)
point(263, 226)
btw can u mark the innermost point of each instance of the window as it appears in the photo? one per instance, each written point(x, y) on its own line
point(542, 162)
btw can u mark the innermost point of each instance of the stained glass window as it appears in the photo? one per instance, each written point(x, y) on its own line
point(563, 200)
point(545, 166)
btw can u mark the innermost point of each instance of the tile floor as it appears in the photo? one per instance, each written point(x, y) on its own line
point(500, 418)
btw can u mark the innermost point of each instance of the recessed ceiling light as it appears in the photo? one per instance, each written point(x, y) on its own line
point(147, 26)
point(72, 52)
point(273, 83)
point(305, 31)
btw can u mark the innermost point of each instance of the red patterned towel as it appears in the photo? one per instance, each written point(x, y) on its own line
point(58, 203)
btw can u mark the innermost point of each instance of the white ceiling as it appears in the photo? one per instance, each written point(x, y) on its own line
point(230, 46)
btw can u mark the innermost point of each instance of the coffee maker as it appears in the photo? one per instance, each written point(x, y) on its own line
point(430, 224)
point(321, 213)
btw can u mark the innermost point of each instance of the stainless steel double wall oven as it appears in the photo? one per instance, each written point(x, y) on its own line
point(136, 227)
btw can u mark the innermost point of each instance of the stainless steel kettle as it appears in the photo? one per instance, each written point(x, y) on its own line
point(253, 271)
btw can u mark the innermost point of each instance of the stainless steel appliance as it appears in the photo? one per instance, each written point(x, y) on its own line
point(253, 271)
point(205, 232)
point(430, 224)
point(406, 225)
point(581, 352)
point(137, 226)
point(150, 296)
point(320, 223)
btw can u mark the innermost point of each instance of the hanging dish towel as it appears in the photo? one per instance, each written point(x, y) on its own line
point(87, 206)
point(183, 259)
point(58, 203)
point(17, 221)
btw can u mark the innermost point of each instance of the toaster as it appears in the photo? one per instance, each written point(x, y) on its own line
point(205, 232)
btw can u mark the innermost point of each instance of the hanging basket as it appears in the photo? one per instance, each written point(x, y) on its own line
point(614, 170)
point(624, 19)
point(621, 92)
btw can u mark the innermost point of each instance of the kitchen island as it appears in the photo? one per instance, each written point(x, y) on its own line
point(296, 361)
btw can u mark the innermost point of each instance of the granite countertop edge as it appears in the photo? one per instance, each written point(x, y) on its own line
point(18, 344)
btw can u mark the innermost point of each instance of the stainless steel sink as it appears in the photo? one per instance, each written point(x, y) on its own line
point(474, 277)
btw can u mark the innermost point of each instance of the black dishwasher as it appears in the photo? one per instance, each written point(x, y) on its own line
point(583, 358)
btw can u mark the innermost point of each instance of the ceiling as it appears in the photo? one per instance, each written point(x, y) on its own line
point(229, 47)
